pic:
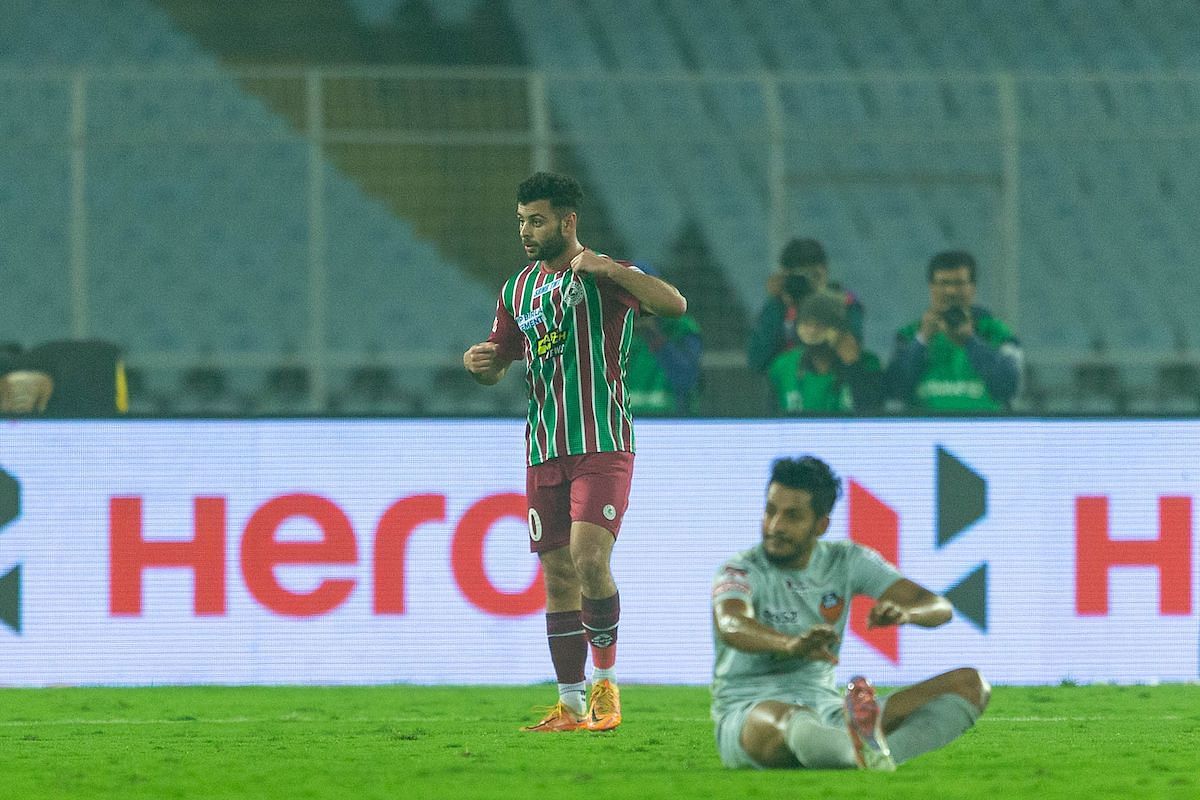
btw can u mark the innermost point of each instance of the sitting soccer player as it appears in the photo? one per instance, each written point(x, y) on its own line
point(779, 612)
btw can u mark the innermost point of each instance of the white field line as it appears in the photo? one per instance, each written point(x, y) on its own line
point(292, 719)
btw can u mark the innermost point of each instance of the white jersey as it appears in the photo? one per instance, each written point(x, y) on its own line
point(792, 601)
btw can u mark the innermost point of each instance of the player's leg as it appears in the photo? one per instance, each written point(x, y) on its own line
point(591, 553)
point(549, 536)
point(600, 485)
point(779, 735)
point(929, 715)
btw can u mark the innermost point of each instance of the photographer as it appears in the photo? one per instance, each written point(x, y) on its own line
point(828, 372)
point(803, 269)
point(957, 357)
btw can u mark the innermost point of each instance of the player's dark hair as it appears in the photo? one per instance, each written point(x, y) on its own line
point(951, 259)
point(563, 191)
point(813, 476)
point(799, 253)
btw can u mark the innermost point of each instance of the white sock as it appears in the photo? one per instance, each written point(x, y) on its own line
point(573, 696)
point(599, 674)
point(819, 746)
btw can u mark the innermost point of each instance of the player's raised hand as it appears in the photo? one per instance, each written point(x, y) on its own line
point(885, 613)
point(591, 263)
point(816, 644)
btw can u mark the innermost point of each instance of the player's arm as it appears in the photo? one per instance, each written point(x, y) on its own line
point(905, 602)
point(738, 628)
point(656, 295)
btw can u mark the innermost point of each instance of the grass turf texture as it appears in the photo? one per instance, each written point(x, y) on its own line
point(411, 743)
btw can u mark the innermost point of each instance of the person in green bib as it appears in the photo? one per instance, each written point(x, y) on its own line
point(828, 371)
point(662, 376)
point(957, 356)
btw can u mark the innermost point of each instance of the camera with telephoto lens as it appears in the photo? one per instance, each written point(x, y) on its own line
point(797, 287)
point(954, 317)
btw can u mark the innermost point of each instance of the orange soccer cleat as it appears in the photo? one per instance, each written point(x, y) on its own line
point(604, 710)
point(559, 720)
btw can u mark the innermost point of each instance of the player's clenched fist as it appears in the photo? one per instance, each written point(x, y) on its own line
point(480, 357)
point(885, 613)
point(484, 363)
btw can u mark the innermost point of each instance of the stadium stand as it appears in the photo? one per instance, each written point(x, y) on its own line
point(892, 118)
point(198, 211)
point(888, 163)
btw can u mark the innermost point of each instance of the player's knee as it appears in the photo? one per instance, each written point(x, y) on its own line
point(591, 567)
point(970, 684)
point(763, 737)
point(560, 576)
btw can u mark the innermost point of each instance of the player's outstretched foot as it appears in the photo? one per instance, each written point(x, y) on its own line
point(864, 721)
point(559, 720)
point(604, 710)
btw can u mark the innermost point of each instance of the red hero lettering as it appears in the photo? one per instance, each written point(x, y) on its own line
point(260, 552)
point(1096, 553)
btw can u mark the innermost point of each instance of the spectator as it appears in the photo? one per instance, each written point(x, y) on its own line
point(803, 269)
point(829, 371)
point(662, 376)
point(957, 357)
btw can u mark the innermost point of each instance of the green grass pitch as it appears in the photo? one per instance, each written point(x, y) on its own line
point(411, 743)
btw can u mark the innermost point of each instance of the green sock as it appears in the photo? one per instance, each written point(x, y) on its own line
point(935, 724)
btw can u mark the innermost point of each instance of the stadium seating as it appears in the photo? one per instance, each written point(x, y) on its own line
point(894, 164)
point(892, 118)
point(198, 235)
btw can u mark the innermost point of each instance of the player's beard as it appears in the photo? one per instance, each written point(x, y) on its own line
point(550, 249)
point(783, 558)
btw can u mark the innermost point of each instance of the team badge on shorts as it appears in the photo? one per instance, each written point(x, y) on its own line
point(831, 607)
point(609, 512)
point(535, 526)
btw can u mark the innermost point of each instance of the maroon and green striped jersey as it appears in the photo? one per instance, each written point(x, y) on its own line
point(574, 333)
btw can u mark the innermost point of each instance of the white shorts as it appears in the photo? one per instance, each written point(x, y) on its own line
point(729, 727)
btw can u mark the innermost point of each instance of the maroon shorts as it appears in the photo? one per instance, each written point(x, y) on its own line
point(593, 487)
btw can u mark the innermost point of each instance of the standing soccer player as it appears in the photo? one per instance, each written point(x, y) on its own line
point(569, 314)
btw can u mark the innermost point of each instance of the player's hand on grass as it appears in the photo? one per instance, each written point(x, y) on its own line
point(886, 613)
point(815, 644)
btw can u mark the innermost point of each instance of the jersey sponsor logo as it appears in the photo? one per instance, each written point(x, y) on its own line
point(531, 320)
point(832, 606)
point(787, 617)
point(797, 586)
point(547, 287)
point(550, 345)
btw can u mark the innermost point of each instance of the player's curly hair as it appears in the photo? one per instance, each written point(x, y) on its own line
point(563, 191)
point(813, 476)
